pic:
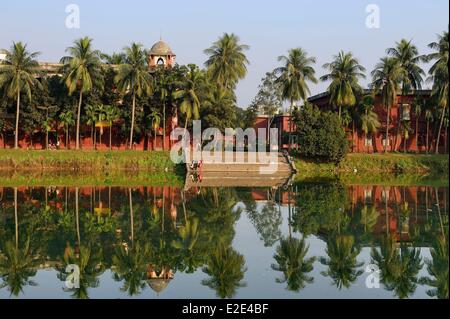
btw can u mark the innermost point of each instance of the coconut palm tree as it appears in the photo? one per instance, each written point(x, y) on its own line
point(89, 262)
point(188, 95)
point(367, 118)
point(386, 78)
point(155, 117)
point(82, 71)
point(417, 107)
point(439, 76)
point(226, 269)
point(404, 129)
point(17, 75)
point(134, 78)
point(226, 61)
point(438, 268)
point(398, 266)
point(164, 80)
point(111, 114)
point(293, 76)
point(408, 56)
point(91, 119)
point(186, 243)
point(429, 117)
point(67, 120)
point(17, 265)
point(130, 266)
point(291, 260)
point(345, 71)
point(343, 267)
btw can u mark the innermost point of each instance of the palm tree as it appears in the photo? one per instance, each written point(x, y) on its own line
point(111, 114)
point(345, 71)
point(386, 79)
point(343, 266)
point(155, 117)
point(163, 82)
point(398, 267)
point(226, 61)
point(189, 94)
point(291, 260)
point(16, 267)
point(368, 119)
point(417, 106)
point(188, 236)
point(67, 120)
point(438, 268)
point(130, 266)
point(439, 75)
point(91, 119)
point(89, 262)
point(296, 71)
point(405, 129)
point(133, 77)
point(17, 75)
point(429, 116)
point(226, 269)
point(82, 72)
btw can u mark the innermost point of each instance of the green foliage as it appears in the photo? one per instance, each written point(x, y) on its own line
point(320, 135)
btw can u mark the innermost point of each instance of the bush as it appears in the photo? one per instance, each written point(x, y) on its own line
point(320, 135)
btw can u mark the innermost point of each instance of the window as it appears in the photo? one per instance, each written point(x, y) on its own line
point(405, 112)
point(368, 140)
point(368, 194)
point(383, 142)
point(160, 61)
point(385, 194)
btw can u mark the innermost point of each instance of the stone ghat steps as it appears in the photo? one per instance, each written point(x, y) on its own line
point(238, 179)
point(243, 162)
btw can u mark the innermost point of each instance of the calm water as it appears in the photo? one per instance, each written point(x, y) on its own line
point(313, 240)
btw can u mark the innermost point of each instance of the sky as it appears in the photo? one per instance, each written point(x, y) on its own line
point(270, 28)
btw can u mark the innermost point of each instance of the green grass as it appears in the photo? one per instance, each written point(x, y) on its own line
point(379, 163)
point(86, 161)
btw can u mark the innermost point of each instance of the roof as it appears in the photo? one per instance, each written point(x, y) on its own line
point(366, 91)
point(161, 48)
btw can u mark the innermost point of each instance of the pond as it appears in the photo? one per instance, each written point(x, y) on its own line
point(306, 240)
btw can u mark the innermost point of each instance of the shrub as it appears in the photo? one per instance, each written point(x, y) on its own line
point(320, 135)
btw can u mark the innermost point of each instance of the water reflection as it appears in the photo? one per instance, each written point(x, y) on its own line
point(311, 236)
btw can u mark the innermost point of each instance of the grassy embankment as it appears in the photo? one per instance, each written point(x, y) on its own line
point(72, 168)
point(386, 169)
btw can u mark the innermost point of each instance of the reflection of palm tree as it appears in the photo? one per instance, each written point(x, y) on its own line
point(290, 257)
point(342, 263)
point(398, 267)
point(226, 269)
point(130, 265)
point(188, 235)
point(438, 268)
point(16, 266)
point(88, 261)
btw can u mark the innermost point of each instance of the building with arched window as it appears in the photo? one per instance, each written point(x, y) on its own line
point(161, 54)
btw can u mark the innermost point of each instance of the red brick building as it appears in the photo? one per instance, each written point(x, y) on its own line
point(402, 110)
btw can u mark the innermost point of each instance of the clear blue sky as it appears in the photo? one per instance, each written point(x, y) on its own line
point(270, 28)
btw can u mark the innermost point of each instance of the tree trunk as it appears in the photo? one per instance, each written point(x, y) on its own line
point(77, 219)
point(16, 218)
point(290, 124)
point(94, 134)
point(46, 138)
point(387, 129)
point(77, 143)
point(110, 136)
point(164, 126)
point(131, 216)
point(16, 136)
point(428, 136)
point(417, 134)
point(154, 140)
point(132, 120)
point(439, 131)
point(67, 136)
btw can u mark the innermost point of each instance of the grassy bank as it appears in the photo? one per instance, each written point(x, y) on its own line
point(86, 161)
point(379, 163)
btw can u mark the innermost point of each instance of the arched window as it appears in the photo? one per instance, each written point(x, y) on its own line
point(160, 61)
